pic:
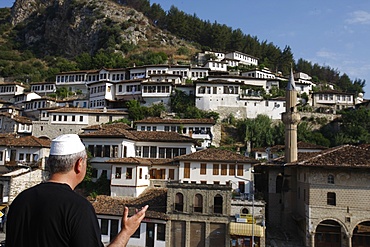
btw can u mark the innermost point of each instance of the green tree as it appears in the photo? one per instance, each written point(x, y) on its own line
point(135, 110)
point(258, 131)
point(356, 125)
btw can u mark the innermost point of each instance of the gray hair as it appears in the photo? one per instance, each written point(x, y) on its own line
point(64, 163)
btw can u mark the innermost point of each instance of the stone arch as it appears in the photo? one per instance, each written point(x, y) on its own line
point(330, 232)
point(218, 204)
point(179, 202)
point(361, 234)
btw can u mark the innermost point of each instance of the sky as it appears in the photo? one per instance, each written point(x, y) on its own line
point(334, 33)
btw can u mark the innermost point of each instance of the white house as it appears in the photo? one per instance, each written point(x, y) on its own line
point(210, 95)
point(199, 129)
point(100, 92)
point(130, 176)
point(72, 80)
point(12, 123)
point(260, 73)
point(20, 99)
point(270, 107)
point(242, 58)
point(32, 108)
point(303, 83)
point(23, 150)
point(332, 100)
point(111, 141)
point(156, 92)
point(216, 65)
point(217, 166)
point(128, 90)
point(10, 89)
point(43, 88)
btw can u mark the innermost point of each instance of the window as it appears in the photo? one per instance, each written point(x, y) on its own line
point(145, 152)
point(240, 170)
point(162, 152)
point(97, 118)
point(1, 156)
point(179, 202)
point(331, 179)
point(215, 169)
point(153, 152)
point(90, 148)
point(224, 169)
point(187, 170)
point(106, 151)
point(128, 173)
point(140, 173)
point(81, 118)
point(161, 232)
point(231, 170)
point(217, 204)
point(118, 172)
point(99, 149)
point(104, 226)
point(198, 203)
point(331, 199)
point(171, 174)
point(203, 169)
point(21, 156)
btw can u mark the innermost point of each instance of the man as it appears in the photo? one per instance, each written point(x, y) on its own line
point(52, 214)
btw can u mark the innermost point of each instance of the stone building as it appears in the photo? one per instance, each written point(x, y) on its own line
point(181, 215)
point(323, 196)
point(69, 120)
point(198, 215)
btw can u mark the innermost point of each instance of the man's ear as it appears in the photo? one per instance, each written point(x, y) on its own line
point(78, 165)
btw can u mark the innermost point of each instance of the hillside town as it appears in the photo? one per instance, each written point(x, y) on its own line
point(199, 194)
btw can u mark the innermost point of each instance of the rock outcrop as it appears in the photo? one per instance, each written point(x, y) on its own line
point(70, 27)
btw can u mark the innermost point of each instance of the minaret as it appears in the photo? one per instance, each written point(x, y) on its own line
point(291, 119)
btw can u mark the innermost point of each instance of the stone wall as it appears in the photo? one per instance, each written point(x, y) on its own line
point(25, 181)
point(188, 216)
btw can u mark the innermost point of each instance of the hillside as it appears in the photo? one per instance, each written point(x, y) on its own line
point(68, 28)
point(43, 37)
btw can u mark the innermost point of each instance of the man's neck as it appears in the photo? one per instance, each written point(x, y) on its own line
point(62, 179)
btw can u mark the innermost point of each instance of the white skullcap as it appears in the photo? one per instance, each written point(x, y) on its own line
point(66, 144)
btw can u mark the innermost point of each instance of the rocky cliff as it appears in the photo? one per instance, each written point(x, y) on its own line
point(70, 27)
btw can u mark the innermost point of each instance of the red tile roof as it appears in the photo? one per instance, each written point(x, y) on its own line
point(16, 118)
point(342, 156)
point(23, 141)
point(158, 136)
point(215, 154)
point(177, 121)
point(156, 198)
point(109, 126)
point(141, 161)
point(86, 110)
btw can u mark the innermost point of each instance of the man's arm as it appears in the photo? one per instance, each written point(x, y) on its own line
point(129, 227)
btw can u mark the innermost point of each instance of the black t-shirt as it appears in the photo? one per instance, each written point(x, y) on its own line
point(51, 214)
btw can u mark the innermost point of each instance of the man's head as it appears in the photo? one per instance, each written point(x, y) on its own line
point(65, 152)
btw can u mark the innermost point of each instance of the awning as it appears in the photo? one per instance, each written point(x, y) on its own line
point(245, 229)
point(2, 207)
